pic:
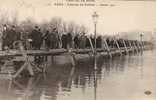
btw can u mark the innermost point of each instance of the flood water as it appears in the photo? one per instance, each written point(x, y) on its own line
point(121, 78)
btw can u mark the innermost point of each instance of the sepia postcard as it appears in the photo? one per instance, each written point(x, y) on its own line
point(77, 50)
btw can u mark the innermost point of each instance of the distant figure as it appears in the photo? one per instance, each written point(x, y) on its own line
point(53, 39)
point(64, 41)
point(83, 41)
point(92, 40)
point(127, 43)
point(1, 39)
point(69, 40)
point(99, 42)
point(47, 39)
point(36, 37)
point(9, 36)
point(108, 41)
point(88, 45)
point(120, 42)
point(112, 43)
point(56, 38)
point(76, 41)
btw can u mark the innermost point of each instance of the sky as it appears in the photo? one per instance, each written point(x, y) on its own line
point(124, 16)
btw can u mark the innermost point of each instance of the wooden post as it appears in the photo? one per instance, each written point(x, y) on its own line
point(27, 65)
point(72, 57)
point(130, 44)
point(104, 44)
point(125, 45)
point(138, 46)
point(43, 46)
point(118, 46)
point(141, 45)
point(135, 46)
point(20, 70)
point(92, 47)
point(107, 48)
point(71, 76)
point(91, 44)
point(1, 45)
point(52, 58)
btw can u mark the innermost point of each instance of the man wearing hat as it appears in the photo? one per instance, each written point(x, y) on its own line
point(9, 36)
point(36, 37)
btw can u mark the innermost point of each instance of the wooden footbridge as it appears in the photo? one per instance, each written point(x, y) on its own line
point(30, 65)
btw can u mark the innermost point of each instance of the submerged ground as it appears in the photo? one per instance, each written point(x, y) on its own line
point(127, 77)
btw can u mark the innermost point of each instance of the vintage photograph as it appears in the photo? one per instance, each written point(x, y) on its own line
point(77, 50)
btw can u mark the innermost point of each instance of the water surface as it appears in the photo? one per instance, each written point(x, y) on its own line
point(121, 78)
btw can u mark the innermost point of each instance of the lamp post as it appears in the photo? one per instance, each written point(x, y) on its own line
point(95, 18)
point(141, 35)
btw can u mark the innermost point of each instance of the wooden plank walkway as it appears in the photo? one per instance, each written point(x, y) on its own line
point(29, 65)
point(54, 52)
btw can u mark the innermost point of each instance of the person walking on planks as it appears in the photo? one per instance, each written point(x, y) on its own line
point(76, 41)
point(1, 35)
point(64, 41)
point(36, 37)
point(99, 42)
point(54, 38)
point(69, 40)
point(83, 39)
point(47, 39)
point(9, 37)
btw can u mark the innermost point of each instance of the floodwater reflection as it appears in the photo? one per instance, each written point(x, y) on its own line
point(120, 78)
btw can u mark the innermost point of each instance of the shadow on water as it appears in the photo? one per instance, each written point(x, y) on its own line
point(61, 79)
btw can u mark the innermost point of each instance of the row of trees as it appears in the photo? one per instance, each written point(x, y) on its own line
point(55, 22)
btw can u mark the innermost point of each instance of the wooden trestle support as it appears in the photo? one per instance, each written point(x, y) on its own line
point(32, 66)
point(28, 65)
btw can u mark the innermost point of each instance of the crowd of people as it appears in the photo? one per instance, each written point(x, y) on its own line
point(52, 40)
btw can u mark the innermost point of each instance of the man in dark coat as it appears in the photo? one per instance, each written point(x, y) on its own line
point(99, 42)
point(47, 39)
point(83, 41)
point(92, 40)
point(64, 41)
point(108, 41)
point(55, 38)
point(76, 41)
point(9, 37)
point(69, 40)
point(36, 37)
point(88, 45)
